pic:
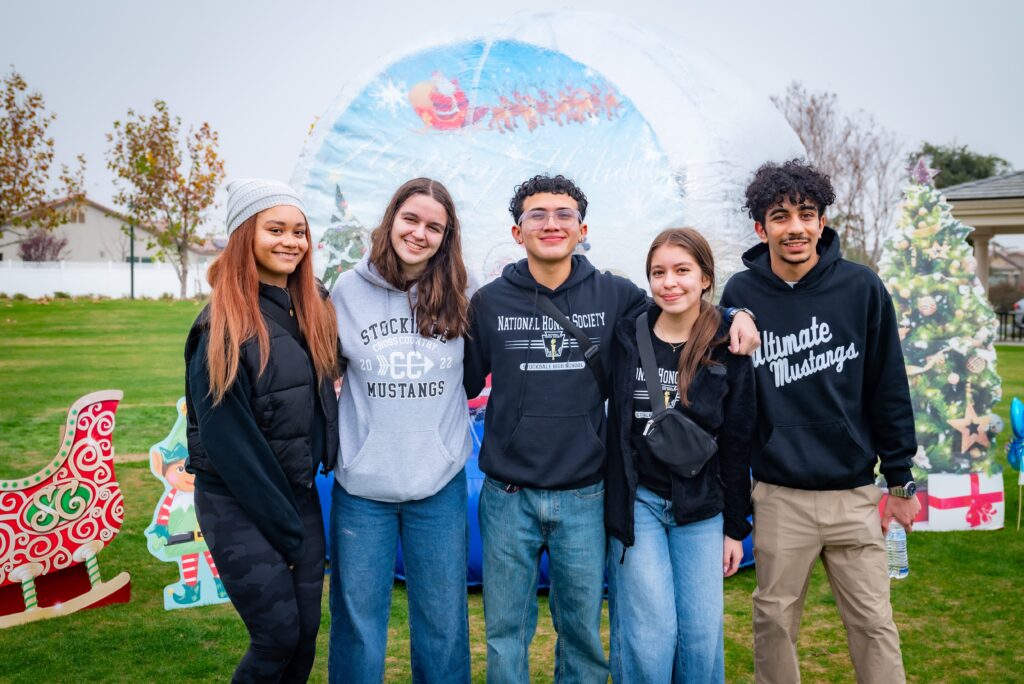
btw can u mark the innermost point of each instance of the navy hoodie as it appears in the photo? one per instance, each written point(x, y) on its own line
point(545, 421)
point(832, 392)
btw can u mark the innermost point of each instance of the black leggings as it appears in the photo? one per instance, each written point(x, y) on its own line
point(280, 607)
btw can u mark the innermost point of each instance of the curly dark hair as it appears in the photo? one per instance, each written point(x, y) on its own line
point(794, 180)
point(558, 185)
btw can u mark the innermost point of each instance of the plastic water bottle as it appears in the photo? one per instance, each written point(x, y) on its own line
point(896, 547)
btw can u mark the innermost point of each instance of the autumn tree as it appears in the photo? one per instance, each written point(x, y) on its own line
point(42, 245)
point(165, 181)
point(957, 164)
point(28, 188)
point(864, 159)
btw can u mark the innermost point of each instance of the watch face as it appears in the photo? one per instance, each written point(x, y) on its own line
point(911, 488)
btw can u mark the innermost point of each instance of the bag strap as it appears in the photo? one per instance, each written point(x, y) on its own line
point(650, 366)
point(591, 351)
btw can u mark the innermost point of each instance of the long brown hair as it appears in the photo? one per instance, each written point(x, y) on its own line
point(441, 304)
point(697, 351)
point(235, 312)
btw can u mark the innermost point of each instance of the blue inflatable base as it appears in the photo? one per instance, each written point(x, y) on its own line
point(474, 482)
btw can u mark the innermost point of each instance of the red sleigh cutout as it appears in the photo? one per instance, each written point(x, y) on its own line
point(54, 522)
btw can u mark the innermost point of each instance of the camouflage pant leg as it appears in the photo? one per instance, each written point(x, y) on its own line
point(308, 583)
point(280, 607)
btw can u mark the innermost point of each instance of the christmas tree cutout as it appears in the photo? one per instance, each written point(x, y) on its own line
point(947, 328)
point(344, 242)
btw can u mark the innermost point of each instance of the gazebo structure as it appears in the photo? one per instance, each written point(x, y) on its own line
point(993, 206)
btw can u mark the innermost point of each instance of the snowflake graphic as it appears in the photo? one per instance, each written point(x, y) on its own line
point(388, 94)
point(515, 151)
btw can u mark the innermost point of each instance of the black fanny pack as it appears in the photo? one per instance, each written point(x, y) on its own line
point(672, 437)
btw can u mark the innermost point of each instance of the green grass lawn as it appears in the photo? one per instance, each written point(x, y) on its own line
point(958, 612)
point(54, 353)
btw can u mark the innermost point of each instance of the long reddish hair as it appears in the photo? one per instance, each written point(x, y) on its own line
point(697, 351)
point(235, 312)
point(441, 305)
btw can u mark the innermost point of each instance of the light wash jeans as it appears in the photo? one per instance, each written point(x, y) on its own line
point(665, 598)
point(516, 526)
point(364, 537)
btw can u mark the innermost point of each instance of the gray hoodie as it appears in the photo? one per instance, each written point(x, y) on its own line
point(402, 414)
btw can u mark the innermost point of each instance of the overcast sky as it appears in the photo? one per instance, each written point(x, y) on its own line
point(261, 72)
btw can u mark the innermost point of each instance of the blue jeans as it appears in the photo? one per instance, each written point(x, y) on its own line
point(516, 527)
point(364, 536)
point(665, 598)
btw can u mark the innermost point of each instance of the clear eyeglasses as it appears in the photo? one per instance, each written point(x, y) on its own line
point(538, 218)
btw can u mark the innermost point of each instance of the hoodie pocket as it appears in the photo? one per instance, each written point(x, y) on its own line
point(399, 466)
point(555, 450)
point(813, 456)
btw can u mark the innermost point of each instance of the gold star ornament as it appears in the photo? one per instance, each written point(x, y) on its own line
point(937, 251)
point(973, 430)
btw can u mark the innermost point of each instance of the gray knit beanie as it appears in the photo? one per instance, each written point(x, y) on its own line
point(249, 196)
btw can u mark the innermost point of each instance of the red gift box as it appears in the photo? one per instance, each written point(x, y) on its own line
point(968, 501)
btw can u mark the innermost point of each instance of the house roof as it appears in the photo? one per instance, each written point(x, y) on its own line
point(64, 201)
point(1014, 258)
point(1007, 186)
point(207, 246)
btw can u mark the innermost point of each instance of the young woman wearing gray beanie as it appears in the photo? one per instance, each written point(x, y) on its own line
point(402, 314)
point(261, 360)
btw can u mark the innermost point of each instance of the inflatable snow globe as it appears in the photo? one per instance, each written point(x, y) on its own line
point(656, 135)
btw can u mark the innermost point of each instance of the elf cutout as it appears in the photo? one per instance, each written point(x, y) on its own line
point(174, 534)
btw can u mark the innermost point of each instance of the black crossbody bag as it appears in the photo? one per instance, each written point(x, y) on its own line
point(672, 437)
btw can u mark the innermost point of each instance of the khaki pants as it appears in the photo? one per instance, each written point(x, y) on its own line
point(793, 527)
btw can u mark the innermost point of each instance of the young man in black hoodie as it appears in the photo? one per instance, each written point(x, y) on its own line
point(832, 400)
point(543, 450)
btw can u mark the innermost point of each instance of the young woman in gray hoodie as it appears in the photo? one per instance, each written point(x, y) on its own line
point(403, 423)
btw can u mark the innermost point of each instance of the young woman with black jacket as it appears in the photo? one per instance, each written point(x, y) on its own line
point(261, 360)
point(671, 536)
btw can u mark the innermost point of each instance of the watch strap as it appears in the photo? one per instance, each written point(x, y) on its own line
point(901, 491)
point(733, 310)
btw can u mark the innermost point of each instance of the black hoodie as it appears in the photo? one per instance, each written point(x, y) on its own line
point(545, 422)
point(832, 392)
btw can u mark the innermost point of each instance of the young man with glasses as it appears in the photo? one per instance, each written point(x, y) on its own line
point(543, 450)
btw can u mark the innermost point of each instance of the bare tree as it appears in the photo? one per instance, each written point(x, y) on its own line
point(864, 159)
point(42, 245)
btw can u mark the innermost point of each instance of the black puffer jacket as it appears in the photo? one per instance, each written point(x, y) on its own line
point(723, 403)
point(264, 440)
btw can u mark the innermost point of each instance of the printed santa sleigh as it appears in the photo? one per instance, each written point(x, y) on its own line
point(55, 521)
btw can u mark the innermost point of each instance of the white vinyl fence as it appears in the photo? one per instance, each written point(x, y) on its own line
point(109, 279)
